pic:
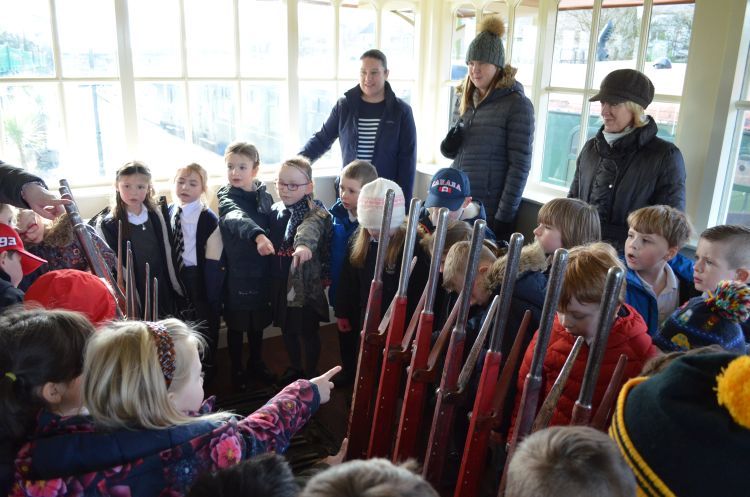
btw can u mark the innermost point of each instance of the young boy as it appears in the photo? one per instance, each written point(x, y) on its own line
point(354, 176)
point(659, 278)
point(566, 461)
point(578, 314)
point(450, 188)
point(15, 262)
point(244, 210)
point(723, 253)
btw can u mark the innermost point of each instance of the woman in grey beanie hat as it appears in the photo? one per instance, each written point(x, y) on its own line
point(493, 129)
point(626, 166)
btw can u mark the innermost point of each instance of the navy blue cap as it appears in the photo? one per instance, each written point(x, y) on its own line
point(448, 188)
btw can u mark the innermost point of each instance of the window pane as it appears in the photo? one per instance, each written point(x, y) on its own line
point(210, 38)
point(357, 28)
point(25, 39)
point(212, 113)
point(155, 37)
point(665, 114)
point(161, 111)
point(617, 42)
point(264, 108)
point(263, 47)
point(738, 209)
point(32, 127)
point(316, 39)
point(667, 51)
point(561, 138)
point(464, 30)
point(397, 42)
point(571, 44)
point(96, 140)
point(524, 40)
point(316, 100)
point(88, 42)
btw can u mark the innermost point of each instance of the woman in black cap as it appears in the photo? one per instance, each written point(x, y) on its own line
point(626, 166)
point(494, 129)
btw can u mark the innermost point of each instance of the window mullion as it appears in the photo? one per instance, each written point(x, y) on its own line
point(57, 58)
point(648, 6)
point(127, 78)
point(590, 66)
point(238, 111)
point(292, 72)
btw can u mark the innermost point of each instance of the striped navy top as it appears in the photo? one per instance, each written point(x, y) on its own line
point(367, 128)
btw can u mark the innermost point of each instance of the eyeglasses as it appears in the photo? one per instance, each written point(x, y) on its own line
point(292, 187)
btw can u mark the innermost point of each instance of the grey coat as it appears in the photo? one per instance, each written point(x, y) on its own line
point(495, 151)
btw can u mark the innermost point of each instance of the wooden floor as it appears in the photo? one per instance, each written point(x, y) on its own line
point(332, 417)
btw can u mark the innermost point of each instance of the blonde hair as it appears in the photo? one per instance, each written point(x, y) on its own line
point(457, 231)
point(639, 114)
point(568, 461)
point(457, 261)
point(371, 477)
point(586, 274)
point(197, 169)
point(662, 220)
point(577, 221)
point(360, 170)
point(360, 246)
point(243, 148)
point(123, 383)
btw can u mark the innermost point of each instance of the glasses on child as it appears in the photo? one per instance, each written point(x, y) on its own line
point(292, 187)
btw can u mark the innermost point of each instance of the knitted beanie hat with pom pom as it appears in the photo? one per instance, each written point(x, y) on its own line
point(713, 319)
point(488, 44)
point(686, 430)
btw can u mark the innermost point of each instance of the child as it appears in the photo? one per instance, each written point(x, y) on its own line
point(142, 385)
point(359, 267)
point(578, 314)
point(301, 235)
point(196, 234)
point(354, 176)
point(7, 214)
point(371, 477)
point(41, 358)
point(569, 461)
point(74, 290)
point(267, 475)
point(58, 244)
point(723, 253)
point(244, 208)
point(144, 225)
point(565, 223)
point(450, 188)
point(659, 278)
point(15, 262)
point(686, 431)
point(704, 321)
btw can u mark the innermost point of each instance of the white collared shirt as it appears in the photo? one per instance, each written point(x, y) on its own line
point(669, 298)
point(189, 221)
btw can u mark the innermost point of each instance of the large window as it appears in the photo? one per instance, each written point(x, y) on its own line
point(592, 40)
point(86, 85)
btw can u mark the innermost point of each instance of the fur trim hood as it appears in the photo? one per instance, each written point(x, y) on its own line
point(532, 258)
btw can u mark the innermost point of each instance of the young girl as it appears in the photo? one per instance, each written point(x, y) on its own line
point(57, 243)
point(244, 207)
point(142, 385)
point(359, 267)
point(145, 227)
point(301, 231)
point(41, 360)
point(197, 251)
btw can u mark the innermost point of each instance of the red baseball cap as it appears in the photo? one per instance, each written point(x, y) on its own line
point(74, 290)
point(9, 240)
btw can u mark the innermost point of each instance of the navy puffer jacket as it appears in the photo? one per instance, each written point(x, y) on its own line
point(495, 151)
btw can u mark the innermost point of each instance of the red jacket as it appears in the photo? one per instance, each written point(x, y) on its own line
point(629, 336)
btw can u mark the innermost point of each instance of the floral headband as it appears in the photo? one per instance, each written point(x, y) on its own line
point(165, 349)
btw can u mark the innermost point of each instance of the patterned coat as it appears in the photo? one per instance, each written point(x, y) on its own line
point(72, 457)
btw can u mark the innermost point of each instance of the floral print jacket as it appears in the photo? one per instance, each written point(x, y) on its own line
point(72, 457)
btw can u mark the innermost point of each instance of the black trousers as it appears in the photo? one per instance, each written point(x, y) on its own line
point(205, 319)
point(301, 333)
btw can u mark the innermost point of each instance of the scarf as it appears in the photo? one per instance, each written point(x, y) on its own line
point(297, 214)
